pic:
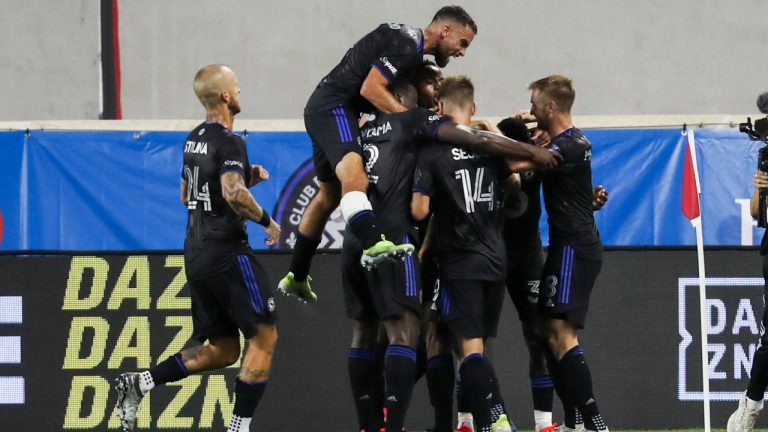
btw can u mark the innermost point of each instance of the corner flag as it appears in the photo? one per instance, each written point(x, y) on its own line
point(691, 206)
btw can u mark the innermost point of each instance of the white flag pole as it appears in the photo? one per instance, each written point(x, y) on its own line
point(702, 291)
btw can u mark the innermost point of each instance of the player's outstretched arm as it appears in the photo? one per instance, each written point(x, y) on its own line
point(374, 89)
point(244, 204)
point(496, 145)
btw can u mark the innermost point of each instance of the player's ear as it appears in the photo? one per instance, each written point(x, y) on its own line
point(224, 96)
point(474, 108)
point(440, 107)
point(444, 30)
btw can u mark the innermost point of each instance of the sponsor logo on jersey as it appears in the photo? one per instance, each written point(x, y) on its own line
point(376, 131)
point(371, 155)
point(292, 203)
point(233, 163)
point(389, 65)
point(196, 147)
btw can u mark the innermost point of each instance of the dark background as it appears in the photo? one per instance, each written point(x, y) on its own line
point(631, 342)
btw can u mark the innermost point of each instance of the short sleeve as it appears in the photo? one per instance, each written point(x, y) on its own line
point(401, 54)
point(232, 157)
point(424, 123)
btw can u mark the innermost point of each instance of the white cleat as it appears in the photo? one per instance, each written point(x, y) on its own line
point(745, 416)
point(128, 399)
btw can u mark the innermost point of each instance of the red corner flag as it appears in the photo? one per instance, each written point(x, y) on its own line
point(691, 187)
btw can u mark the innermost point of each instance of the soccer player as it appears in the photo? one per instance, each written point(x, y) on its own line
point(462, 188)
point(230, 291)
point(358, 84)
point(391, 291)
point(525, 262)
point(574, 256)
point(751, 402)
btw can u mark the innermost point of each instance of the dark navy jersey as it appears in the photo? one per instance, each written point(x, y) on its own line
point(464, 191)
point(522, 213)
point(568, 195)
point(390, 147)
point(392, 49)
point(214, 231)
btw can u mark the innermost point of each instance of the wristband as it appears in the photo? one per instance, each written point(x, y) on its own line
point(265, 219)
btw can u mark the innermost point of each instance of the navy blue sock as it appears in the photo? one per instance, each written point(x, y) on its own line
point(169, 370)
point(421, 360)
point(462, 403)
point(440, 379)
point(479, 380)
point(361, 365)
point(399, 370)
point(301, 260)
point(542, 389)
point(577, 383)
point(378, 387)
point(247, 397)
point(363, 226)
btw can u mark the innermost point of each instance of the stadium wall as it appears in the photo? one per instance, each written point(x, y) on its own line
point(650, 57)
point(70, 323)
point(118, 189)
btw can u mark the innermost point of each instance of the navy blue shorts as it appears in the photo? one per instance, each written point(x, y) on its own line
point(239, 298)
point(566, 285)
point(334, 134)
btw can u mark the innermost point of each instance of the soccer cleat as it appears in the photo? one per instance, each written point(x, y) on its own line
point(551, 428)
point(383, 250)
point(464, 428)
point(301, 290)
point(128, 399)
point(563, 428)
point(745, 416)
point(503, 425)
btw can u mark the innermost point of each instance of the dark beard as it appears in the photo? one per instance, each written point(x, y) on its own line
point(442, 60)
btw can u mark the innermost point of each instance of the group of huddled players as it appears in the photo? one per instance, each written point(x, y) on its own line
point(420, 157)
point(442, 214)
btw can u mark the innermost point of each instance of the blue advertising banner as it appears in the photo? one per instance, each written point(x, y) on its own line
point(119, 190)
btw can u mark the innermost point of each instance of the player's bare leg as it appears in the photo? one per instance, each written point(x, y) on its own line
point(571, 374)
point(132, 386)
point(253, 376)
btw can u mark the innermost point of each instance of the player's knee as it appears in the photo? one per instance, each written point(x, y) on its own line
point(266, 339)
point(353, 203)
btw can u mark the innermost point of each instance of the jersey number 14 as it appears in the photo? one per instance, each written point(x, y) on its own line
point(473, 192)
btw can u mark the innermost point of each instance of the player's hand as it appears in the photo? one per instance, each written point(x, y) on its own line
point(273, 233)
point(258, 174)
point(541, 137)
point(761, 180)
point(483, 124)
point(599, 197)
point(544, 158)
point(525, 116)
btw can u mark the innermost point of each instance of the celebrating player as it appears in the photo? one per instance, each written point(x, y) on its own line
point(462, 188)
point(230, 291)
point(574, 256)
